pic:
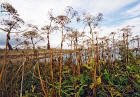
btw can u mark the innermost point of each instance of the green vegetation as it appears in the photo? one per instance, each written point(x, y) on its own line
point(94, 67)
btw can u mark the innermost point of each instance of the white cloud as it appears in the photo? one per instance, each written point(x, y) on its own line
point(133, 11)
point(134, 22)
point(107, 6)
point(35, 11)
point(131, 22)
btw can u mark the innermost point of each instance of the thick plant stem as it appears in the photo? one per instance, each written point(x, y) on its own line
point(103, 50)
point(73, 72)
point(4, 63)
point(48, 37)
point(78, 65)
point(89, 53)
point(51, 69)
point(114, 51)
point(108, 52)
point(41, 81)
point(94, 75)
point(92, 47)
point(38, 70)
point(21, 86)
point(60, 75)
point(98, 60)
point(45, 61)
point(127, 46)
point(60, 67)
point(94, 88)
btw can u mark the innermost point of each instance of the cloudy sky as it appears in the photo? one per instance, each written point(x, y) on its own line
point(117, 13)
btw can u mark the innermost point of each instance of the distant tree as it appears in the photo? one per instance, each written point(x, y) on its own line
point(126, 34)
point(92, 22)
point(7, 8)
point(34, 38)
point(9, 26)
point(62, 20)
point(102, 39)
point(137, 38)
point(112, 34)
point(47, 30)
point(32, 35)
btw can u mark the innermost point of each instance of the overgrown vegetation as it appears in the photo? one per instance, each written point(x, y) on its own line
point(95, 66)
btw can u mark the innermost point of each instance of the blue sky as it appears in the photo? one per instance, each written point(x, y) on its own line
point(119, 16)
point(117, 13)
